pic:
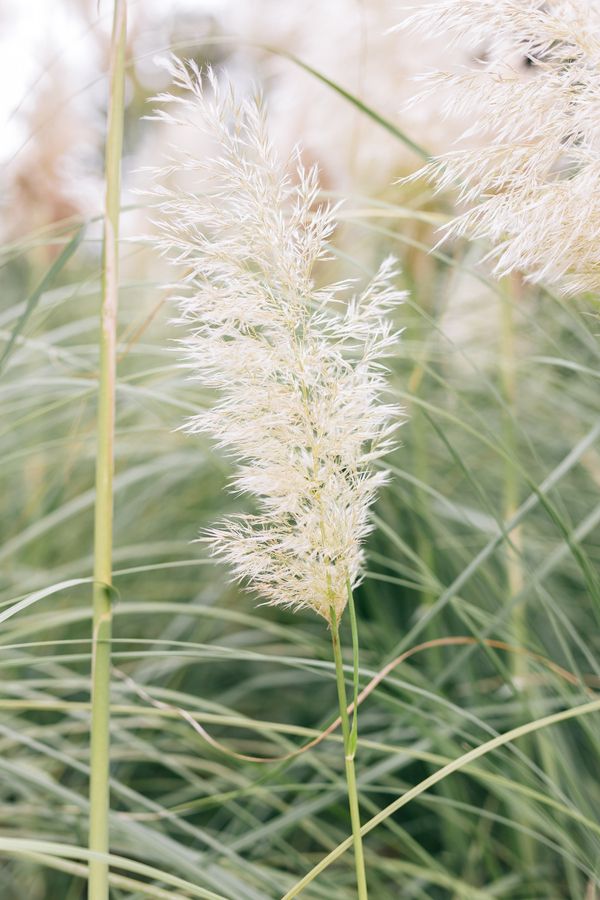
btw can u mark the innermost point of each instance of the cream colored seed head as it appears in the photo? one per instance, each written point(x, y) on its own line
point(532, 187)
point(298, 370)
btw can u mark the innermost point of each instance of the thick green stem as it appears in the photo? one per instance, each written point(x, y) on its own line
point(350, 734)
point(103, 520)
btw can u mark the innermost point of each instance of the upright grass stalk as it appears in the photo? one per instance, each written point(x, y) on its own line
point(103, 521)
point(350, 734)
point(511, 498)
point(508, 378)
point(515, 580)
point(421, 470)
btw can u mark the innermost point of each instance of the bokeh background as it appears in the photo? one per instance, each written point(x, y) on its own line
point(488, 529)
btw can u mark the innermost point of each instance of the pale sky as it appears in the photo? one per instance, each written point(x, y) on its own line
point(39, 34)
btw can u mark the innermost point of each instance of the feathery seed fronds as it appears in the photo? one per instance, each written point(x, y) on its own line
point(299, 373)
point(533, 187)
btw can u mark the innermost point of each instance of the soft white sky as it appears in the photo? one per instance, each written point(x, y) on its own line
point(32, 33)
point(37, 34)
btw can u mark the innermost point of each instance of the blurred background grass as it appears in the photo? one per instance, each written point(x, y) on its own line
point(488, 529)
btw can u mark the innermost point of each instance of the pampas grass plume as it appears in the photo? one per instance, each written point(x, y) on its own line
point(297, 367)
point(532, 186)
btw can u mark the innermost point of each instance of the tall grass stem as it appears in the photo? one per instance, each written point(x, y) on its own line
point(103, 519)
point(350, 734)
point(509, 385)
point(515, 581)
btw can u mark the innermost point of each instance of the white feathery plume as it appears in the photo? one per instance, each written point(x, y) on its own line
point(533, 184)
point(298, 371)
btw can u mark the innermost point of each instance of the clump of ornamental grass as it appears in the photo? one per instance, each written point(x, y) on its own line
point(532, 185)
point(298, 367)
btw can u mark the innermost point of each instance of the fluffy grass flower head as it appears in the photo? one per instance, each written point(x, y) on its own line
point(532, 186)
point(297, 367)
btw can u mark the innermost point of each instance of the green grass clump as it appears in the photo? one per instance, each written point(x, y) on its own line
point(488, 531)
